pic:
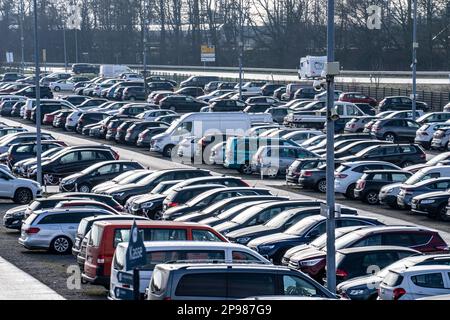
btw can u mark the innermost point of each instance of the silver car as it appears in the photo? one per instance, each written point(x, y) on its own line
point(54, 229)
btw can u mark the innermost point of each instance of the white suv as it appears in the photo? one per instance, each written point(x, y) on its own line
point(21, 191)
point(348, 173)
point(415, 283)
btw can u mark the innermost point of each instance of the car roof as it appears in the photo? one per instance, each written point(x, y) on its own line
point(224, 266)
point(393, 228)
point(422, 268)
point(156, 223)
point(72, 211)
point(363, 162)
point(387, 171)
point(376, 248)
point(202, 186)
point(182, 245)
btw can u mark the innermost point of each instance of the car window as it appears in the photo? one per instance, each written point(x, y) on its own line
point(380, 177)
point(242, 285)
point(150, 234)
point(399, 177)
point(202, 285)
point(109, 169)
point(296, 286)
point(87, 155)
point(429, 280)
point(243, 256)
point(70, 157)
point(372, 240)
point(398, 239)
point(204, 235)
point(390, 150)
point(53, 219)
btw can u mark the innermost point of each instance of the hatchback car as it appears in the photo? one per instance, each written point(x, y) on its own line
point(395, 130)
point(407, 192)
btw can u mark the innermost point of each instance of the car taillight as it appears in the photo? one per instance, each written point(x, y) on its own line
point(115, 155)
point(398, 293)
point(306, 173)
point(100, 259)
point(32, 230)
point(361, 184)
point(340, 176)
point(422, 156)
point(172, 204)
point(341, 273)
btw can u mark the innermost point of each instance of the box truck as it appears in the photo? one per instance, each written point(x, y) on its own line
point(311, 66)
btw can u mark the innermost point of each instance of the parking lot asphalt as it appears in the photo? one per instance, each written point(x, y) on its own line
point(52, 269)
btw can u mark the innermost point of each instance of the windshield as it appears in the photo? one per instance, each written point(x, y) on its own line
point(279, 220)
point(148, 179)
point(366, 150)
point(173, 126)
point(247, 214)
point(215, 206)
point(197, 199)
point(343, 241)
point(301, 227)
point(134, 177)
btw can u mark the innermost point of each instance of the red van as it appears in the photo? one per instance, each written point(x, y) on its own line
point(105, 235)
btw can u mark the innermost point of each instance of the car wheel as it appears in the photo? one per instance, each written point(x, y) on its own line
point(322, 186)
point(57, 89)
point(23, 196)
point(350, 192)
point(371, 197)
point(158, 215)
point(84, 188)
point(167, 152)
point(389, 136)
point(443, 212)
point(61, 245)
point(245, 168)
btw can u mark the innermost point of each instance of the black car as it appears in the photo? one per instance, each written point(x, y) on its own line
point(85, 180)
point(123, 192)
point(278, 223)
point(181, 103)
point(78, 68)
point(72, 161)
point(306, 230)
point(269, 88)
point(161, 79)
point(366, 108)
point(59, 121)
point(146, 136)
point(398, 103)
point(226, 85)
point(5, 130)
point(208, 198)
point(94, 102)
point(137, 128)
point(261, 213)
point(356, 146)
point(222, 206)
point(227, 105)
point(88, 118)
point(160, 85)
point(198, 81)
point(432, 204)
point(15, 111)
point(11, 77)
point(121, 131)
point(355, 262)
point(22, 151)
point(48, 107)
point(6, 107)
point(402, 155)
point(135, 109)
point(294, 170)
point(134, 93)
point(30, 92)
point(169, 118)
point(305, 93)
point(278, 93)
point(180, 195)
point(254, 108)
point(369, 185)
point(191, 91)
point(315, 178)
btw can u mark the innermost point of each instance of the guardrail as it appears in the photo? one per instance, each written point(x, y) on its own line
point(344, 73)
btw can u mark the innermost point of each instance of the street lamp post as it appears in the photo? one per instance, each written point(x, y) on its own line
point(38, 97)
point(415, 45)
point(22, 39)
point(330, 222)
point(65, 48)
point(241, 46)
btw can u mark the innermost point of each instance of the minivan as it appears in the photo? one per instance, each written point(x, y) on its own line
point(106, 235)
point(159, 252)
point(230, 281)
point(240, 150)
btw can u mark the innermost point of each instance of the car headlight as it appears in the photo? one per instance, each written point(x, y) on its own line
point(356, 292)
point(266, 247)
point(147, 205)
point(390, 190)
point(428, 201)
point(243, 240)
point(309, 263)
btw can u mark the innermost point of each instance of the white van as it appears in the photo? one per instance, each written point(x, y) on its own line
point(197, 125)
point(170, 251)
point(311, 66)
point(113, 70)
point(428, 173)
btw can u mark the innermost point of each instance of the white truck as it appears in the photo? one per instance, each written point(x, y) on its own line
point(113, 70)
point(317, 119)
point(311, 67)
point(196, 125)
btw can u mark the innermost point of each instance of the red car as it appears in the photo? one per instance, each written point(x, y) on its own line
point(357, 97)
point(49, 117)
point(313, 260)
point(105, 235)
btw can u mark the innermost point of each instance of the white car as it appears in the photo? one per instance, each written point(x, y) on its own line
point(425, 133)
point(30, 103)
point(415, 283)
point(187, 147)
point(252, 86)
point(217, 155)
point(62, 85)
point(151, 115)
point(206, 247)
point(348, 173)
point(20, 190)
